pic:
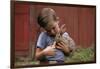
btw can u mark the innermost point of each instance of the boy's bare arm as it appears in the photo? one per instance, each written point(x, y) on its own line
point(38, 53)
point(48, 51)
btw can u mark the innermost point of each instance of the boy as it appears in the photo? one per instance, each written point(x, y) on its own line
point(54, 43)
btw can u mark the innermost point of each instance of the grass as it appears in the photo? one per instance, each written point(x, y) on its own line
point(81, 55)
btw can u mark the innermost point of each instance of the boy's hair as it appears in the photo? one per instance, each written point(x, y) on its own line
point(46, 18)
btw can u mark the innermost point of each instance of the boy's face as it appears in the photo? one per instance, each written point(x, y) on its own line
point(55, 29)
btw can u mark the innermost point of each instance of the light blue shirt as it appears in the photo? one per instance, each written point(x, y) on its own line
point(45, 40)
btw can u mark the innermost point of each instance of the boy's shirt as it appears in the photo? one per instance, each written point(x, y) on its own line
point(45, 40)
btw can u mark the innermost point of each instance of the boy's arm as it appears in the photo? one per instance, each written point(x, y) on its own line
point(42, 49)
point(48, 51)
point(40, 46)
point(39, 53)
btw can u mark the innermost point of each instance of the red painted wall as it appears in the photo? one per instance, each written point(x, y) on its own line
point(80, 24)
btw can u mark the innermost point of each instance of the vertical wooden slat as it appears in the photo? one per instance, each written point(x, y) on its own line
point(86, 27)
point(21, 28)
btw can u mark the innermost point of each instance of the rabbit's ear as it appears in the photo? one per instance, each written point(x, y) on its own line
point(62, 29)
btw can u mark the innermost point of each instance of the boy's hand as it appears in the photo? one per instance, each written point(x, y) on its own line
point(50, 50)
point(62, 47)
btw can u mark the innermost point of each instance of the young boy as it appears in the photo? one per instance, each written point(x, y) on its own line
point(47, 45)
